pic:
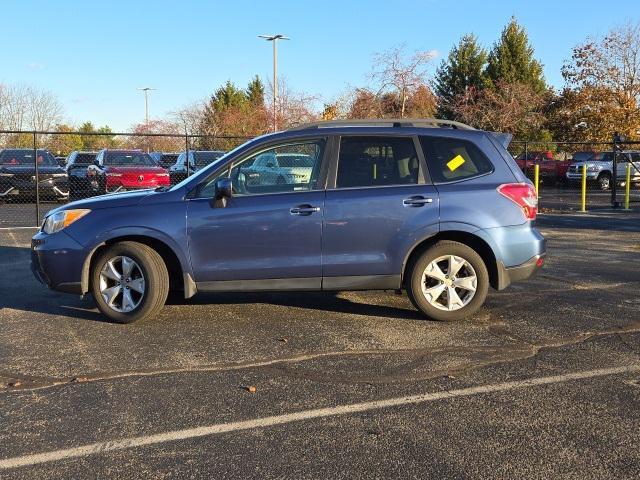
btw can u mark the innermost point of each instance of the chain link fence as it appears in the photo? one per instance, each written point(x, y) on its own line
point(41, 170)
point(560, 172)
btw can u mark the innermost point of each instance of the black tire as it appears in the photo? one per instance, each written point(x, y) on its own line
point(421, 261)
point(155, 275)
point(604, 181)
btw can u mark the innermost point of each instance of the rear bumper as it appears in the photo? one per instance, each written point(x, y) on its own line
point(528, 269)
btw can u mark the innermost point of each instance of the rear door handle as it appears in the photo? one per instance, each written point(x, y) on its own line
point(304, 210)
point(417, 201)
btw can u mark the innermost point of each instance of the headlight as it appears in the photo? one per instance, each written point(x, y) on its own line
point(6, 174)
point(162, 174)
point(114, 174)
point(56, 222)
point(59, 175)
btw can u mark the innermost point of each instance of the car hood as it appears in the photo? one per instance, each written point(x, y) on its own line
point(30, 169)
point(111, 200)
point(136, 169)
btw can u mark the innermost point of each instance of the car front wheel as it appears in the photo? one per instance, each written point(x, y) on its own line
point(448, 282)
point(129, 282)
point(604, 181)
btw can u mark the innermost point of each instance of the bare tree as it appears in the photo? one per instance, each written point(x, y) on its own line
point(294, 108)
point(400, 72)
point(23, 107)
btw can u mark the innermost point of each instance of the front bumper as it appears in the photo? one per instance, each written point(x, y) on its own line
point(47, 189)
point(57, 261)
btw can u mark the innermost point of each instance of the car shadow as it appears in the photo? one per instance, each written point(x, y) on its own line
point(24, 293)
point(322, 301)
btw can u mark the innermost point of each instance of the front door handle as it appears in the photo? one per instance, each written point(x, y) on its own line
point(304, 210)
point(416, 201)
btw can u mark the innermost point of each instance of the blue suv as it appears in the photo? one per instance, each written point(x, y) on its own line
point(431, 206)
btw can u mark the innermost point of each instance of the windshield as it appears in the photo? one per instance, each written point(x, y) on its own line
point(128, 159)
point(24, 158)
point(583, 156)
point(205, 158)
point(84, 158)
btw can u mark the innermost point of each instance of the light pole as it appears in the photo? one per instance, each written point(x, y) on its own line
point(146, 104)
point(274, 39)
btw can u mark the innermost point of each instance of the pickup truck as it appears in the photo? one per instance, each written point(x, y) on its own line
point(600, 167)
point(551, 170)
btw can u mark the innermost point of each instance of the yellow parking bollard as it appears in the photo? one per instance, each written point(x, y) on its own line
point(627, 187)
point(536, 177)
point(584, 188)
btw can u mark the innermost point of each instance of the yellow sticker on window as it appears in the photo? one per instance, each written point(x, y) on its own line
point(455, 162)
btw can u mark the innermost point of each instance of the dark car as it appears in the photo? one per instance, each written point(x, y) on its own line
point(77, 168)
point(197, 159)
point(431, 206)
point(122, 170)
point(18, 175)
point(164, 159)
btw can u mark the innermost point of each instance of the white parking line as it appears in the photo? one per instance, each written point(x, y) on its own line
point(175, 435)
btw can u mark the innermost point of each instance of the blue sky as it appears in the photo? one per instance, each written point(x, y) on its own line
point(94, 55)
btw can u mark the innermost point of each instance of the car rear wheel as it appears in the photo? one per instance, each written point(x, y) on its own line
point(604, 181)
point(129, 282)
point(448, 282)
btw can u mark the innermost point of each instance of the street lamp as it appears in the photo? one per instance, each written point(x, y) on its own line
point(274, 39)
point(146, 104)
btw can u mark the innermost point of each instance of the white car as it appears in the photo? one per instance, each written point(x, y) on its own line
point(277, 169)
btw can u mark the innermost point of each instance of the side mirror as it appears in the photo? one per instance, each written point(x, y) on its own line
point(223, 192)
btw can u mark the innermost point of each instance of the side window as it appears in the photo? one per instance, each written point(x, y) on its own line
point(377, 161)
point(451, 159)
point(268, 171)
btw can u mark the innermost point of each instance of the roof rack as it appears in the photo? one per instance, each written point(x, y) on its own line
point(383, 122)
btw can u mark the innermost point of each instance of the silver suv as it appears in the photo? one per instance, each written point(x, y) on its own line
point(600, 167)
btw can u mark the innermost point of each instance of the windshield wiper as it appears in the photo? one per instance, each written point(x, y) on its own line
point(161, 189)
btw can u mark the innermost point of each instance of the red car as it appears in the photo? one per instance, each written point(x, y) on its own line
point(121, 170)
point(550, 169)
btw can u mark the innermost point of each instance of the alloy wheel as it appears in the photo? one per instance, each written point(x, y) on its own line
point(122, 284)
point(449, 283)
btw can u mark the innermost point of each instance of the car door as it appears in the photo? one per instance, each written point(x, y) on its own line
point(268, 236)
point(379, 205)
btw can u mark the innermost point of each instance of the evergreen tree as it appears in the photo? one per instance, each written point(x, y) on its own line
point(463, 69)
point(228, 96)
point(255, 92)
point(511, 60)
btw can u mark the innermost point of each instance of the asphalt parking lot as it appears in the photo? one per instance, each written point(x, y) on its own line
point(543, 382)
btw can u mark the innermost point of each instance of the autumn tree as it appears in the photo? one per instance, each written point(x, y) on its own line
point(512, 61)
point(96, 138)
point(602, 93)
point(172, 143)
point(463, 69)
point(508, 107)
point(63, 142)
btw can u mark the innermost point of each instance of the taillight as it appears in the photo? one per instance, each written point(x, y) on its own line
point(522, 194)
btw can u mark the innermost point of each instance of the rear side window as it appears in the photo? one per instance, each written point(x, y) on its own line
point(377, 161)
point(452, 159)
